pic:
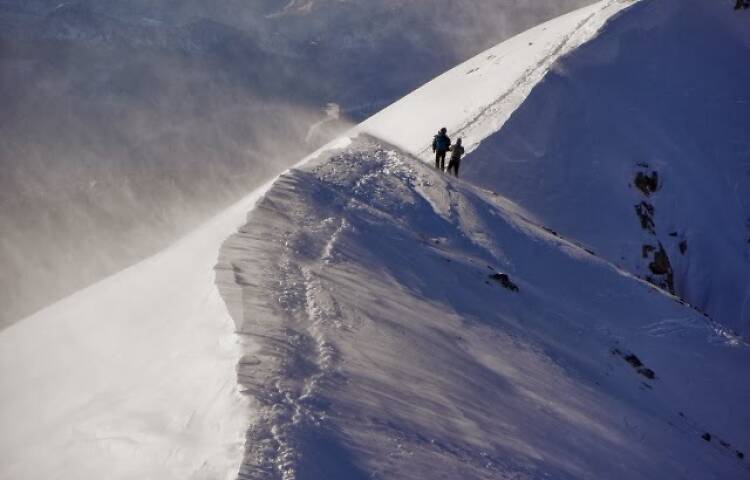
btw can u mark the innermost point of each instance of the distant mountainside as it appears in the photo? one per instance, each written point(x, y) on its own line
point(127, 123)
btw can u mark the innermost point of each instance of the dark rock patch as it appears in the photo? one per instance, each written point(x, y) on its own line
point(706, 436)
point(647, 372)
point(504, 280)
point(645, 212)
point(661, 267)
point(683, 247)
point(740, 455)
point(647, 184)
point(661, 264)
point(647, 250)
point(635, 362)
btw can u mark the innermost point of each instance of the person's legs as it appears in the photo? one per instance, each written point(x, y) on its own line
point(437, 159)
point(441, 158)
point(456, 165)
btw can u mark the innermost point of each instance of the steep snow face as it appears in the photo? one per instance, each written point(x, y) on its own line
point(391, 346)
point(127, 123)
point(636, 144)
point(475, 99)
point(133, 377)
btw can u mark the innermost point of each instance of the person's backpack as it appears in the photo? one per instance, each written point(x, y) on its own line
point(441, 142)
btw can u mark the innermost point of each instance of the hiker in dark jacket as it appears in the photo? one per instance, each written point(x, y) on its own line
point(440, 145)
point(457, 151)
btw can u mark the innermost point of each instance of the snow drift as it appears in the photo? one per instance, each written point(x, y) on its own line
point(394, 323)
point(392, 346)
point(662, 98)
point(408, 325)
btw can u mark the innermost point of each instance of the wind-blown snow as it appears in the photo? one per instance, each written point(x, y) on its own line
point(374, 341)
point(387, 347)
point(474, 99)
point(386, 350)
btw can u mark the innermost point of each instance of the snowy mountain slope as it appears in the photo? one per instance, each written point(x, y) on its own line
point(474, 99)
point(663, 91)
point(127, 123)
point(96, 392)
point(388, 350)
point(351, 351)
point(133, 377)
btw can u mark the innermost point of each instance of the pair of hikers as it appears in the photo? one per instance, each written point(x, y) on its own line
point(441, 145)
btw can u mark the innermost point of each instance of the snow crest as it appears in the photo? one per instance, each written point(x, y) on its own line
point(385, 347)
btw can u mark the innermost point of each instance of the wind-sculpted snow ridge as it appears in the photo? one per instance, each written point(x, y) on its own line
point(476, 98)
point(407, 325)
point(637, 145)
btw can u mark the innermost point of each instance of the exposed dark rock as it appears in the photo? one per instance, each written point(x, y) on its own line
point(683, 247)
point(672, 234)
point(647, 250)
point(662, 266)
point(633, 360)
point(647, 372)
point(706, 436)
point(723, 443)
point(549, 230)
point(647, 184)
point(645, 212)
point(740, 455)
point(504, 280)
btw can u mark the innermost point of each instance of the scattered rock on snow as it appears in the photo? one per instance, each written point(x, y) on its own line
point(662, 267)
point(645, 212)
point(504, 280)
point(647, 184)
point(635, 362)
point(706, 436)
point(683, 247)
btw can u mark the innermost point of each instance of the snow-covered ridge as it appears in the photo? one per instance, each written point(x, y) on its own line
point(475, 99)
point(374, 342)
point(386, 343)
point(405, 325)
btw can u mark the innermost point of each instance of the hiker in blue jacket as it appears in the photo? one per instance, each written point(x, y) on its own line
point(457, 151)
point(440, 145)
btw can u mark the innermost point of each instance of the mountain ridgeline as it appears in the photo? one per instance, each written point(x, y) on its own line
point(126, 124)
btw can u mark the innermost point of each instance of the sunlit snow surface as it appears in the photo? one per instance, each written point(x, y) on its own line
point(386, 350)
point(373, 342)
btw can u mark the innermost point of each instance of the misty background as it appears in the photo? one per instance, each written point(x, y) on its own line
point(126, 123)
